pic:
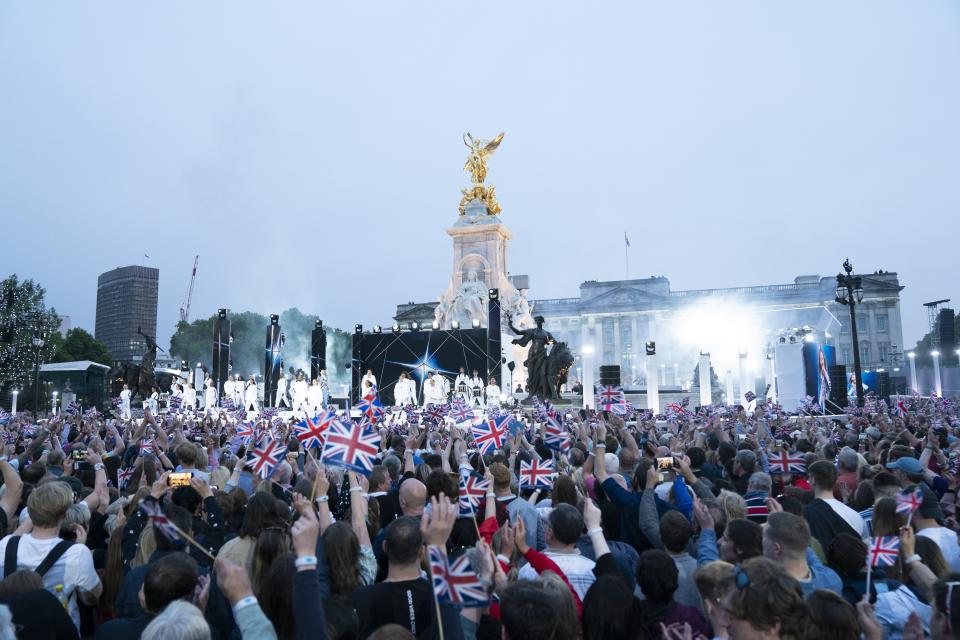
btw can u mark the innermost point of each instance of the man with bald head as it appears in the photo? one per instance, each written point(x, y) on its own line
point(413, 497)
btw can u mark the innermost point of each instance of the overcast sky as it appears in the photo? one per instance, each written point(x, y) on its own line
point(311, 152)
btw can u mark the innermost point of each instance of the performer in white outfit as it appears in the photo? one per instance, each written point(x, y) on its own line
point(461, 384)
point(369, 377)
point(476, 390)
point(315, 397)
point(282, 401)
point(401, 391)
point(153, 402)
point(237, 391)
point(493, 393)
point(324, 387)
point(300, 391)
point(189, 397)
point(210, 398)
point(125, 403)
point(433, 390)
point(228, 388)
point(251, 395)
point(445, 385)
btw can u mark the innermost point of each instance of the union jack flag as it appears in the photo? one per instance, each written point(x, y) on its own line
point(909, 501)
point(677, 407)
point(472, 490)
point(902, 407)
point(436, 412)
point(148, 446)
point(536, 473)
point(245, 430)
point(370, 406)
point(310, 431)
point(489, 435)
point(73, 408)
point(91, 413)
point(883, 551)
point(160, 520)
point(555, 436)
point(784, 462)
point(116, 402)
point(269, 413)
point(5, 417)
point(456, 584)
point(749, 396)
point(123, 477)
point(264, 459)
point(7, 437)
point(227, 404)
point(175, 402)
point(460, 412)
point(609, 395)
point(351, 445)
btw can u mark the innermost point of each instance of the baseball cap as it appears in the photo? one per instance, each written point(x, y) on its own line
point(907, 465)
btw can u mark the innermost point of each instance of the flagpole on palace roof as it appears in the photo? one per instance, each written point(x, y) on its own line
point(626, 253)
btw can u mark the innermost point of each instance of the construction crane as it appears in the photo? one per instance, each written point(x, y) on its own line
point(185, 307)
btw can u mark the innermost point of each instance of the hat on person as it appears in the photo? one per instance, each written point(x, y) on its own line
point(907, 465)
point(611, 462)
point(930, 508)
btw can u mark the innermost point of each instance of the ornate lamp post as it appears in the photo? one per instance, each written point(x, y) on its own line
point(38, 341)
point(850, 293)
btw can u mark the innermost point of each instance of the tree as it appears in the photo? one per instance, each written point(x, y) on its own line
point(23, 314)
point(80, 345)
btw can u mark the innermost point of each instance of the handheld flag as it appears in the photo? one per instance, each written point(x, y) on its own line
point(536, 473)
point(159, 519)
point(370, 406)
point(456, 584)
point(784, 462)
point(909, 501)
point(883, 551)
point(608, 396)
point(489, 435)
point(265, 458)
point(351, 445)
point(472, 490)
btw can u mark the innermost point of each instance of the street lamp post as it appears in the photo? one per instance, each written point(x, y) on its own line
point(914, 385)
point(38, 342)
point(850, 293)
point(937, 383)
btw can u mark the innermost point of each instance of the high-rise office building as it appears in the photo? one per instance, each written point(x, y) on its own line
point(127, 301)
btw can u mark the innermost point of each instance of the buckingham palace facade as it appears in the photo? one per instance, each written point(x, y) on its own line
point(617, 318)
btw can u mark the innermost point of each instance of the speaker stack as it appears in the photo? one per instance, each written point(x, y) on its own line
point(883, 385)
point(221, 351)
point(318, 350)
point(838, 386)
point(610, 375)
point(948, 336)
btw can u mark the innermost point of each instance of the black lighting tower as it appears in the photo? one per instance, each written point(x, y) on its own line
point(318, 350)
point(222, 337)
point(272, 361)
point(850, 293)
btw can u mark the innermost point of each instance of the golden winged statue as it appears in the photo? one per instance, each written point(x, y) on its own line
point(477, 166)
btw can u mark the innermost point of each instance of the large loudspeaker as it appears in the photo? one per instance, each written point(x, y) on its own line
point(883, 385)
point(948, 336)
point(272, 362)
point(318, 351)
point(610, 374)
point(494, 350)
point(838, 386)
point(221, 351)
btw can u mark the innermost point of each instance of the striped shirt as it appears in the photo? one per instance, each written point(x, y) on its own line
point(867, 515)
point(757, 510)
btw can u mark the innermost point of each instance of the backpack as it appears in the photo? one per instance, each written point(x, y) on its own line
point(10, 558)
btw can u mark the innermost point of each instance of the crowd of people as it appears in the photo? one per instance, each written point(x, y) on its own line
point(707, 522)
